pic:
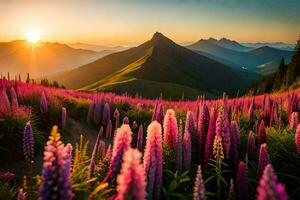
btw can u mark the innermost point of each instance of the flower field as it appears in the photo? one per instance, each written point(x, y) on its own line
point(241, 148)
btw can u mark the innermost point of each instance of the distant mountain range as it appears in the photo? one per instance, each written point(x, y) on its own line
point(277, 45)
point(238, 56)
point(43, 58)
point(98, 48)
point(158, 66)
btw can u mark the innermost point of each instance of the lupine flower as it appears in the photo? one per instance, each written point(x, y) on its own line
point(117, 116)
point(7, 176)
point(264, 159)
point(131, 182)
point(154, 112)
point(63, 117)
point(125, 120)
point(222, 129)
point(274, 117)
point(160, 114)
point(4, 102)
point(190, 123)
point(106, 115)
point(231, 195)
point(109, 129)
point(294, 120)
point(43, 103)
point(218, 148)
point(28, 142)
point(234, 140)
point(153, 161)
point(56, 180)
point(210, 137)
point(203, 124)
point(262, 136)
point(251, 114)
point(101, 149)
point(94, 154)
point(297, 139)
point(134, 124)
point(241, 182)
point(14, 99)
point(21, 194)
point(178, 151)
point(97, 112)
point(269, 188)
point(140, 138)
point(199, 188)
point(108, 152)
point(187, 150)
point(170, 129)
point(251, 145)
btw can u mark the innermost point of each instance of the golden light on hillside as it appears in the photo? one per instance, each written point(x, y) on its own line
point(33, 36)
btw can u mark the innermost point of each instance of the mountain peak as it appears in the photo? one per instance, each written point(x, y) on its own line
point(159, 37)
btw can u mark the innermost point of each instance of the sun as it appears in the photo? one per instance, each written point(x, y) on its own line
point(33, 36)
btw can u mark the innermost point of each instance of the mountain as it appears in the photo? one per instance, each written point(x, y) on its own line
point(158, 65)
point(250, 60)
point(43, 58)
point(277, 45)
point(98, 48)
point(229, 44)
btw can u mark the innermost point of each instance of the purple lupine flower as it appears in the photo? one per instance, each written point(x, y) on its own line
point(294, 120)
point(269, 188)
point(131, 182)
point(90, 116)
point(109, 129)
point(170, 129)
point(106, 115)
point(4, 102)
point(97, 112)
point(251, 145)
point(242, 182)
point(21, 194)
point(153, 160)
point(187, 150)
point(56, 178)
point(43, 103)
point(199, 188)
point(263, 160)
point(140, 138)
point(101, 149)
point(125, 120)
point(262, 136)
point(63, 117)
point(210, 137)
point(234, 140)
point(222, 129)
point(178, 151)
point(14, 99)
point(203, 124)
point(297, 139)
point(190, 122)
point(28, 142)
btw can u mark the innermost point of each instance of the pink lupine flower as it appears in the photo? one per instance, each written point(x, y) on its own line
point(178, 151)
point(190, 123)
point(294, 120)
point(199, 188)
point(297, 139)
point(251, 145)
point(134, 125)
point(153, 161)
point(187, 150)
point(14, 99)
point(140, 138)
point(234, 140)
point(262, 136)
point(170, 129)
point(154, 112)
point(222, 129)
point(203, 123)
point(116, 113)
point(21, 194)
point(108, 152)
point(242, 182)
point(131, 182)
point(269, 188)
point(251, 114)
point(43, 103)
point(125, 120)
point(63, 117)
point(109, 129)
point(4, 102)
point(210, 137)
point(264, 159)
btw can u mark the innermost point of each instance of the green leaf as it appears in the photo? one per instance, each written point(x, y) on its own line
point(172, 186)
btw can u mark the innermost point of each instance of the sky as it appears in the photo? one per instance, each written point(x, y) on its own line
point(130, 22)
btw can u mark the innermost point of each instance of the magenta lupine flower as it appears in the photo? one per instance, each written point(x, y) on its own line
point(187, 150)
point(134, 125)
point(109, 129)
point(43, 103)
point(267, 108)
point(203, 124)
point(56, 179)
point(242, 182)
point(178, 151)
point(154, 112)
point(153, 161)
point(160, 114)
point(297, 139)
point(274, 117)
point(14, 99)
point(294, 120)
point(210, 137)
point(28, 142)
point(90, 116)
point(7, 176)
point(140, 138)
point(21, 194)
point(262, 136)
point(190, 123)
point(106, 115)
point(4, 102)
point(63, 117)
point(269, 188)
point(234, 141)
point(170, 129)
point(251, 145)
point(263, 160)
point(125, 120)
point(199, 188)
point(131, 183)
point(222, 129)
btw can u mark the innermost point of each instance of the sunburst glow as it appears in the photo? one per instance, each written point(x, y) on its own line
point(33, 36)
